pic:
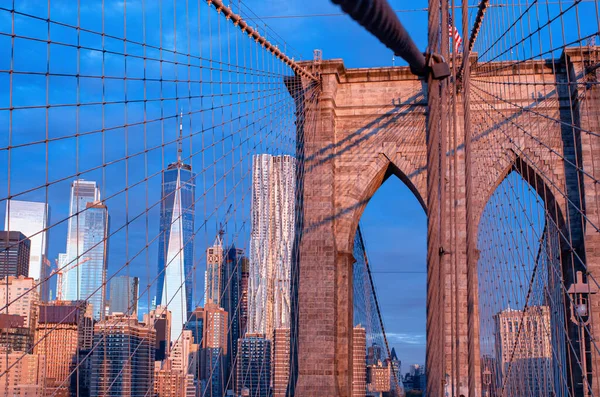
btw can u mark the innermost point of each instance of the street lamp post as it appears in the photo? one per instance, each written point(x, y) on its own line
point(580, 316)
point(487, 380)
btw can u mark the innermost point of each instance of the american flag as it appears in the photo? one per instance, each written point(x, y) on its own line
point(454, 34)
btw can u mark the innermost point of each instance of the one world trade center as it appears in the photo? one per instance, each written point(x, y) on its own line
point(176, 245)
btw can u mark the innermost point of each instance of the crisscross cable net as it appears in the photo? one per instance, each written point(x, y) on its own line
point(138, 125)
point(533, 88)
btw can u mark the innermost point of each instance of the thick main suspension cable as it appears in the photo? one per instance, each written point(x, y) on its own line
point(378, 17)
point(253, 33)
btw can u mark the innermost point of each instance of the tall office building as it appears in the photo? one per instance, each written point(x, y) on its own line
point(180, 353)
point(213, 274)
point(254, 366)
point(22, 295)
point(14, 254)
point(379, 378)
point(160, 320)
point(196, 324)
point(244, 296)
point(271, 241)
point(169, 382)
point(48, 283)
point(231, 274)
point(214, 350)
point(174, 376)
point(25, 376)
point(123, 357)
point(85, 271)
point(396, 365)
point(281, 361)
point(64, 330)
point(31, 219)
point(215, 327)
point(176, 245)
point(359, 368)
point(524, 350)
point(375, 354)
point(14, 336)
point(124, 294)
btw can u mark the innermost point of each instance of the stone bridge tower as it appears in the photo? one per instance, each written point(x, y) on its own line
point(369, 125)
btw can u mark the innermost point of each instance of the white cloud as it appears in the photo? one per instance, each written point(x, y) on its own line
point(410, 339)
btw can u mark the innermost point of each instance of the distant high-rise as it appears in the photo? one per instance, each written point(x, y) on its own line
point(196, 324)
point(359, 371)
point(160, 320)
point(396, 364)
point(26, 376)
point(14, 335)
point(271, 241)
point(213, 274)
point(14, 254)
point(524, 350)
point(176, 245)
point(180, 353)
point(49, 284)
point(181, 356)
point(169, 382)
point(215, 327)
point(375, 354)
point(22, 295)
point(63, 330)
point(281, 361)
point(244, 296)
point(231, 274)
point(31, 219)
point(214, 346)
point(378, 378)
point(124, 294)
point(254, 366)
point(123, 357)
point(84, 273)
point(415, 369)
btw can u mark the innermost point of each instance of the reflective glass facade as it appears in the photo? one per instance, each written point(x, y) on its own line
point(176, 245)
point(85, 270)
point(124, 294)
point(31, 219)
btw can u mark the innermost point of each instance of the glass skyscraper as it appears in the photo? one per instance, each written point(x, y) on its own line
point(124, 295)
point(31, 219)
point(84, 273)
point(176, 245)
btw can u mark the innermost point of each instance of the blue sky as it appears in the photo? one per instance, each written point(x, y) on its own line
point(394, 228)
point(393, 222)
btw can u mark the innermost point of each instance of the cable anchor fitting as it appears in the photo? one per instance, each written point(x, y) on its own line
point(443, 252)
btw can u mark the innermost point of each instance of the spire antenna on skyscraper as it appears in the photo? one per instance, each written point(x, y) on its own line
point(179, 141)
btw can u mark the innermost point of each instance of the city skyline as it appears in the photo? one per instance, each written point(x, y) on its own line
point(223, 260)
